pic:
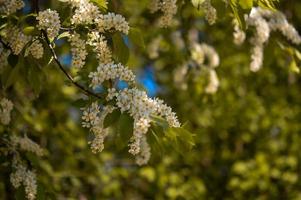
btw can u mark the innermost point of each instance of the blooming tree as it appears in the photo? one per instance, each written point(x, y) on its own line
point(71, 64)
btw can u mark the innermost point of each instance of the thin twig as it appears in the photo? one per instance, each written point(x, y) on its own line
point(88, 92)
point(6, 46)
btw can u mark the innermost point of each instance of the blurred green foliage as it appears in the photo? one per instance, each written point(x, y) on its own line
point(246, 138)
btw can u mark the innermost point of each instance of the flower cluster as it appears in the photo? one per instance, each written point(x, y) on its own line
point(131, 100)
point(10, 6)
point(153, 47)
point(264, 22)
point(24, 176)
point(213, 85)
point(262, 35)
point(145, 152)
point(101, 48)
point(84, 13)
point(111, 71)
point(179, 76)
point(88, 13)
point(49, 20)
point(21, 174)
point(78, 50)
point(168, 8)
point(35, 49)
point(210, 11)
point(206, 56)
point(16, 39)
point(3, 56)
point(26, 144)
point(93, 119)
point(239, 35)
point(111, 22)
point(6, 108)
point(141, 108)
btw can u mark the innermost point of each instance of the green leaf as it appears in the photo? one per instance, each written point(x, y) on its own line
point(298, 54)
point(63, 35)
point(197, 3)
point(160, 122)
point(136, 37)
point(124, 131)
point(41, 195)
point(80, 103)
point(111, 118)
point(102, 4)
point(12, 60)
point(120, 49)
point(20, 193)
point(181, 139)
point(32, 158)
point(29, 30)
point(269, 4)
point(234, 8)
point(293, 67)
point(35, 78)
point(12, 77)
point(246, 4)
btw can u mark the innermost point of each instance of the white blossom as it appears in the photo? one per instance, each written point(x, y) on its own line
point(239, 35)
point(168, 9)
point(24, 176)
point(213, 84)
point(100, 47)
point(204, 55)
point(143, 157)
point(139, 105)
point(26, 144)
point(141, 108)
point(112, 22)
point(5, 110)
point(278, 21)
point(210, 11)
point(141, 126)
point(93, 118)
point(153, 47)
point(35, 49)
point(177, 39)
point(264, 22)
point(4, 53)
point(49, 20)
point(179, 76)
point(154, 6)
point(16, 39)
point(11, 6)
point(256, 57)
point(78, 50)
point(85, 12)
point(111, 71)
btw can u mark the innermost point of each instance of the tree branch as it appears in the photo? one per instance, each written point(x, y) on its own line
point(6, 46)
point(88, 92)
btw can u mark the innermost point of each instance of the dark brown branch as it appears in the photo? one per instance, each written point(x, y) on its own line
point(6, 46)
point(88, 92)
point(36, 6)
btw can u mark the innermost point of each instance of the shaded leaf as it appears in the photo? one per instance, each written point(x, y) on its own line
point(136, 37)
point(29, 30)
point(120, 49)
point(63, 35)
point(12, 60)
point(197, 3)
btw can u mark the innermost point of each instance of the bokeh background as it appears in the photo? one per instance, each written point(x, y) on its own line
point(247, 136)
